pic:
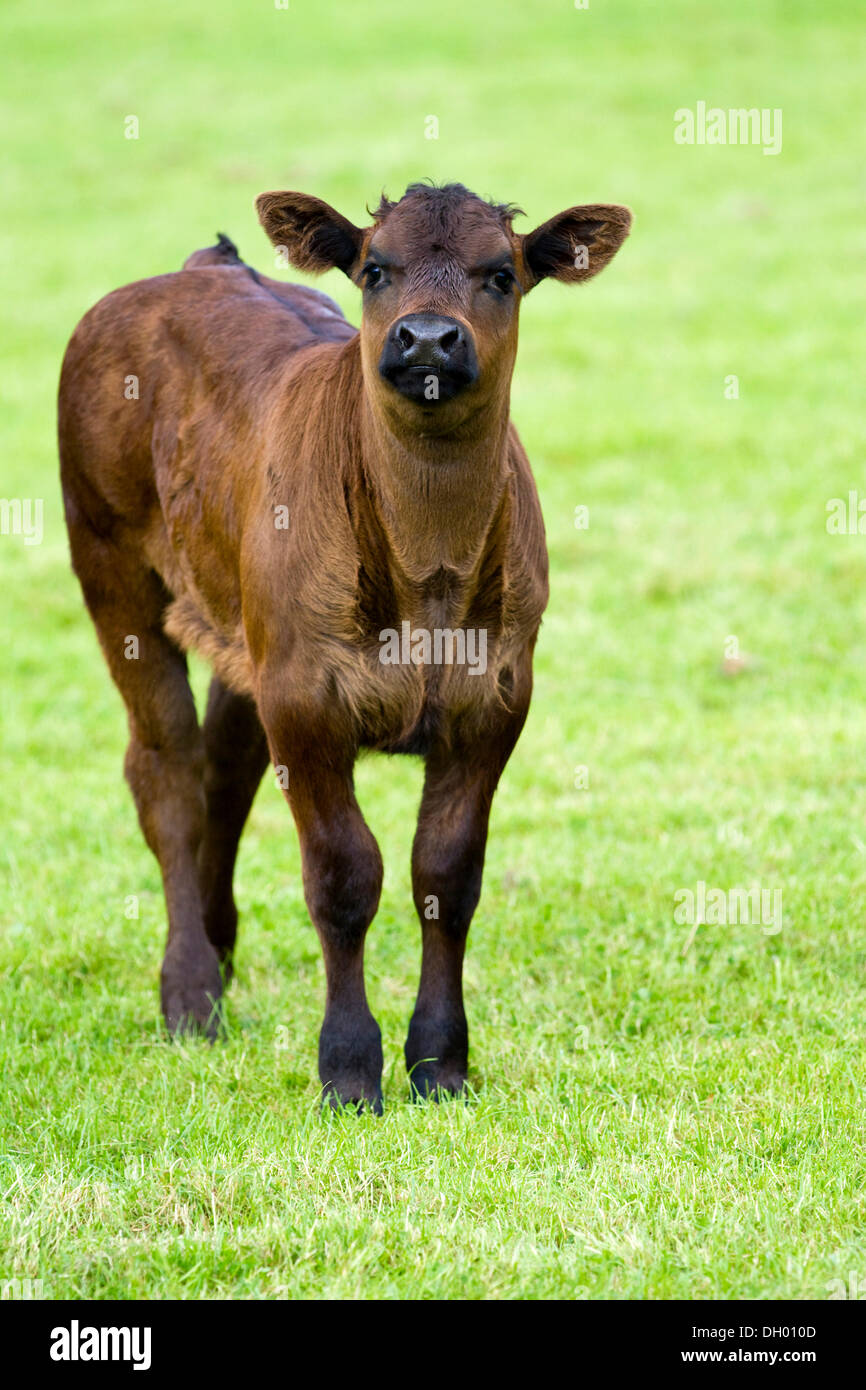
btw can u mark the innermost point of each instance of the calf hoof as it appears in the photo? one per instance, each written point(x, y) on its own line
point(191, 990)
point(349, 1096)
point(428, 1081)
point(437, 1058)
point(350, 1065)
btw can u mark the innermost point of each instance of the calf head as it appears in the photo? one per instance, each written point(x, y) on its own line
point(442, 274)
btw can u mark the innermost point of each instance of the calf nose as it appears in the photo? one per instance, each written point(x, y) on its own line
point(427, 340)
point(429, 358)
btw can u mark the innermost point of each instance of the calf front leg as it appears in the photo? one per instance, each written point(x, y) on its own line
point(447, 866)
point(342, 872)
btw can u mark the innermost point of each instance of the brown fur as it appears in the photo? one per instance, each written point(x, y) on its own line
point(255, 395)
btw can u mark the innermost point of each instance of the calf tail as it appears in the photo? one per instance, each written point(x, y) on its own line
point(224, 253)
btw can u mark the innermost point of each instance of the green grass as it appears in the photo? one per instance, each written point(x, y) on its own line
point(646, 1121)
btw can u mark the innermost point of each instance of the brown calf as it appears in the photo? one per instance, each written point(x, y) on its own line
point(345, 525)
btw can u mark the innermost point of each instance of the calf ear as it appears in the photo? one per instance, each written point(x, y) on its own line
point(577, 244)
point(314, 236)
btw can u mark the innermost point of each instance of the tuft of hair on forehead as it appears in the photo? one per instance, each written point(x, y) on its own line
point(442, 205)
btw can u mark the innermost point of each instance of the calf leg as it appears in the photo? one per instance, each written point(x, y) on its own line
point(342, 871)
point(447, 866)
point(236, 755)
point(164, 770)
point(164, 760)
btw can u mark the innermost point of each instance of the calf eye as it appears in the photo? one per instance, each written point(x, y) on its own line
point(373, 275)
point(502, 281)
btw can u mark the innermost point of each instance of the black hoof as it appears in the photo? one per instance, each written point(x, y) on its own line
point(191, 991)
point(428, 1081)
point(350, 1064)
point(352, 1099)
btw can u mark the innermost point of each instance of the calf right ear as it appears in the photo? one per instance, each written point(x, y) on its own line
point(314, 236)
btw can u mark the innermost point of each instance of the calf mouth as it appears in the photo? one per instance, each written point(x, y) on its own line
point(427, 383)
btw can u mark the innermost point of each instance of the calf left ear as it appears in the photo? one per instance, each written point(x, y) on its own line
point(577, 244)
point(315, 236)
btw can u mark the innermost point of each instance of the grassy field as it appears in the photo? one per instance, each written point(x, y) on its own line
point(656, 1112)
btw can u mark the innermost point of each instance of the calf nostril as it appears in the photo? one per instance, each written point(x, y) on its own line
point(450, 339)
point(405, 336)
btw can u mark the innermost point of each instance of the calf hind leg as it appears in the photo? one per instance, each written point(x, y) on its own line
point(236, 755)
point(164, 761)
